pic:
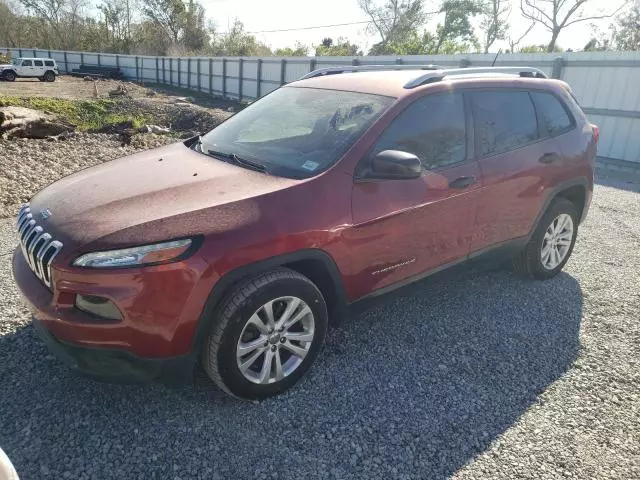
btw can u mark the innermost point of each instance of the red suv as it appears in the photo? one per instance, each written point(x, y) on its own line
point(236, 248)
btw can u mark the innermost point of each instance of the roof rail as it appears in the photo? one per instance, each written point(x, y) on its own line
point(438, 75)
point(365, 68)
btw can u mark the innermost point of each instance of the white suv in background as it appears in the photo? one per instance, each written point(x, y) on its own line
point(44, 69)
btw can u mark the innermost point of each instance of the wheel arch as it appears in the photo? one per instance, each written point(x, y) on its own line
point(574, 190)
point(315, 264)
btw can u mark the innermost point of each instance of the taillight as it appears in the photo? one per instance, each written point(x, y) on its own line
point(596, 132)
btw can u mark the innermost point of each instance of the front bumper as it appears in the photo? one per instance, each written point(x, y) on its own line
point(117, 366)
point(153, 340)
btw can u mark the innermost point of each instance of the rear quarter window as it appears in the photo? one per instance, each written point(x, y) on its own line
point(554, 115)
point(49, 63)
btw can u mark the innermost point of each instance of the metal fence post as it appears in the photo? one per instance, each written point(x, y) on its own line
point(188, 73)
point(19, 52)
point(259, 79)
point(34, 53)
point(211, 76)
point(179, 72)
point(558, 67)
point(283, 71)
point(157, 70)
point(66, 64)
point(171, 71)
point(399, 61)
point(240, 68)
point(137, 72)
point(355, 61)
point(224, 77)
point(99, 61)
point(164, 80)
point(81, 58)
point(312, 64)
point(117, 60)
point(199, 82)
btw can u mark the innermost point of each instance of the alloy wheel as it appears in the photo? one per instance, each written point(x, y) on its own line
point(275, 340)
point(557, 241)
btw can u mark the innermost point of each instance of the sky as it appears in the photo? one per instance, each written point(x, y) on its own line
point(260, 15)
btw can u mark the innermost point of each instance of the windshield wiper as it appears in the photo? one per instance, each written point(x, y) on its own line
point(238, 160)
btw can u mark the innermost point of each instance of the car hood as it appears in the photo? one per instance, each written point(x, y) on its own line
point(151, 187)
point(4, 65)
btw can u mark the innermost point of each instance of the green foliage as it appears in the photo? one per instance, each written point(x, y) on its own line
point(84, 114)
point(299, 50)
point(539, 49)
point(395, 21)
point(627, 33)
point(341, 48)
point(238, 43)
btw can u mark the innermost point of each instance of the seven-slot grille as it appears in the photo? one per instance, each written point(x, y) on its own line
point(38, 247)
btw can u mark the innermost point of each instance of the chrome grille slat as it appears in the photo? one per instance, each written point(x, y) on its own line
point(36, 245)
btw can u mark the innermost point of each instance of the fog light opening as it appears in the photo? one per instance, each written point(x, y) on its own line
point(98, 306)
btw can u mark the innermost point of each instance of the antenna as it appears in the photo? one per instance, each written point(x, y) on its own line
point(496, 57)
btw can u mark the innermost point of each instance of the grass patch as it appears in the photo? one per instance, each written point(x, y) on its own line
point(84, 114)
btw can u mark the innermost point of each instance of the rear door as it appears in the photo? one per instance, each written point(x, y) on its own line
point(518, 161)
point(403, 228)
point(38, 68)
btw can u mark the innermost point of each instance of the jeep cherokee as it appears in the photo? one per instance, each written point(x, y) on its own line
point(236, 248)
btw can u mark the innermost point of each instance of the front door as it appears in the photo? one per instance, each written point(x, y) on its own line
point(26, 69)
point(403, 228)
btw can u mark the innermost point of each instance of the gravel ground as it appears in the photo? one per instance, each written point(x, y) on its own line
point(471, 374)
point(27, 166)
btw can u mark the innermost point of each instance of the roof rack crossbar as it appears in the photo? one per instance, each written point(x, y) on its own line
point(438, 75)
point(366, 68)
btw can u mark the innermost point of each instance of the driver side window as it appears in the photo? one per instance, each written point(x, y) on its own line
point(27, 63)
point(433, 128)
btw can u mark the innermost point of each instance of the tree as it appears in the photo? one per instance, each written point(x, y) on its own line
point(494, 21)
point(627, 33)
point(456, 26)
point(514, 42)
point(394, 21)
point(556, 15)
point(341, 48)
point(239, 43)
point(299, 50)
point(195, 36)
point(169, 15)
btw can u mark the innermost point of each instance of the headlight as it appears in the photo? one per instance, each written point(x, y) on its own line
point(135, 256)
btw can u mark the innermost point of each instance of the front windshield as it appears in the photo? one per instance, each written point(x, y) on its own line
point(296, 132)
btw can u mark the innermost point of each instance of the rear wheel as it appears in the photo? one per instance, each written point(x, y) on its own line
point(9, 76)
point(49, 77)
point(265, 335)
point(552, 243)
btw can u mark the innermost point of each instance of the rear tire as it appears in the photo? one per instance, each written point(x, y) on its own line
point(9, 76)
point(49, 77)
point(252, 357)
point(552, 242)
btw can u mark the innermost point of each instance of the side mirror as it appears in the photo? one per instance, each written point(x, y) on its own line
point(395, 164)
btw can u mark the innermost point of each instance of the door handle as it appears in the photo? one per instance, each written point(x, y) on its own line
point(462, 182)
point(549, 158)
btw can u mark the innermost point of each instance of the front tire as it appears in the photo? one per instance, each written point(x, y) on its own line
point(552, 243)
point(265, 335)
point(9, 76)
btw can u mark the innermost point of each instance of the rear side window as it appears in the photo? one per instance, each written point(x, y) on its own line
point(432, 128)
point(27, 63)
point(37, 63)
point(504, 120)
point(48, 63)
point(552, 113)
